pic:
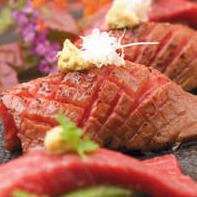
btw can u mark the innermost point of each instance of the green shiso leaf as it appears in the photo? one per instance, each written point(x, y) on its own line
point(101, 191)
point(97, 191)
point(73, 135)
point(20, 193)
point(86, 145)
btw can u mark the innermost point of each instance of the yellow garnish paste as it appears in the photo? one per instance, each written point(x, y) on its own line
point(127, 13)
point(71, 59)
point(54, 142)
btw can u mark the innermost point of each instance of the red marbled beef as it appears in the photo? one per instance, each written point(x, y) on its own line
point(131, 107)
point(175, 11)
point(175, 55)
point(183, 11)
point(43, 174)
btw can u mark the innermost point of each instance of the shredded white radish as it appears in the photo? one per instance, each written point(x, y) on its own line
point(98, 49)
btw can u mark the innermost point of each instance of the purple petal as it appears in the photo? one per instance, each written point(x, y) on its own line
point(54, 69)
point(28, 9)
point(44, 67)
point(42, 48)
point(28, 33)
point(20, 18)
point(29, 37)
point(42, 36)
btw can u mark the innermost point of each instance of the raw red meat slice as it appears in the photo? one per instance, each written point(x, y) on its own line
point(43, 174)
point(129, 108)
point(166, 163)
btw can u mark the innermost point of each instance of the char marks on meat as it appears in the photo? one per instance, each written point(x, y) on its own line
point(129, 108)
point(175, 55)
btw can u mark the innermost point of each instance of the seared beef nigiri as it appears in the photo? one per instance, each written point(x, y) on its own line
point(176, 11)
point(173, 11)
point(44, 174)
point(130, 107)
point(175, 55)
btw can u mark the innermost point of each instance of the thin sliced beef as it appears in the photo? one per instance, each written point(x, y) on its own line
point(179, 11)
point(43, 174)
point(173, 11)
point(131, 107)
point(175, 55)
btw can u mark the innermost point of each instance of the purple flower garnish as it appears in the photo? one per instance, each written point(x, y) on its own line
point(20, 18)
point(36, 39)
point(28, 9)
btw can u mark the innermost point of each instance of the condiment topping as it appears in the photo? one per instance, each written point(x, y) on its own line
point(68, 138)
point(127, 13)
point(97, 191)
point(20, 193)
point(70, 58)
point(103, 191)
point(98, 49)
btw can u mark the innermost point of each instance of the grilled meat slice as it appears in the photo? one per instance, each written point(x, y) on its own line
point(173, 11)
point(175, 55)
point(178, 11)
point(44, 174)
point(129, 108)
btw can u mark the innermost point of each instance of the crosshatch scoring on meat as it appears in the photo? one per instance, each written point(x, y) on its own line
point(129, 108)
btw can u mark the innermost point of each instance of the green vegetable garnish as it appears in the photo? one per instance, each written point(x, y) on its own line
point(98, 191)
point(20, 193)
point(68, 138)
point(101, 191)
point(74, 135)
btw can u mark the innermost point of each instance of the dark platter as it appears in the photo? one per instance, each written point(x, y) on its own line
point(4, 154)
